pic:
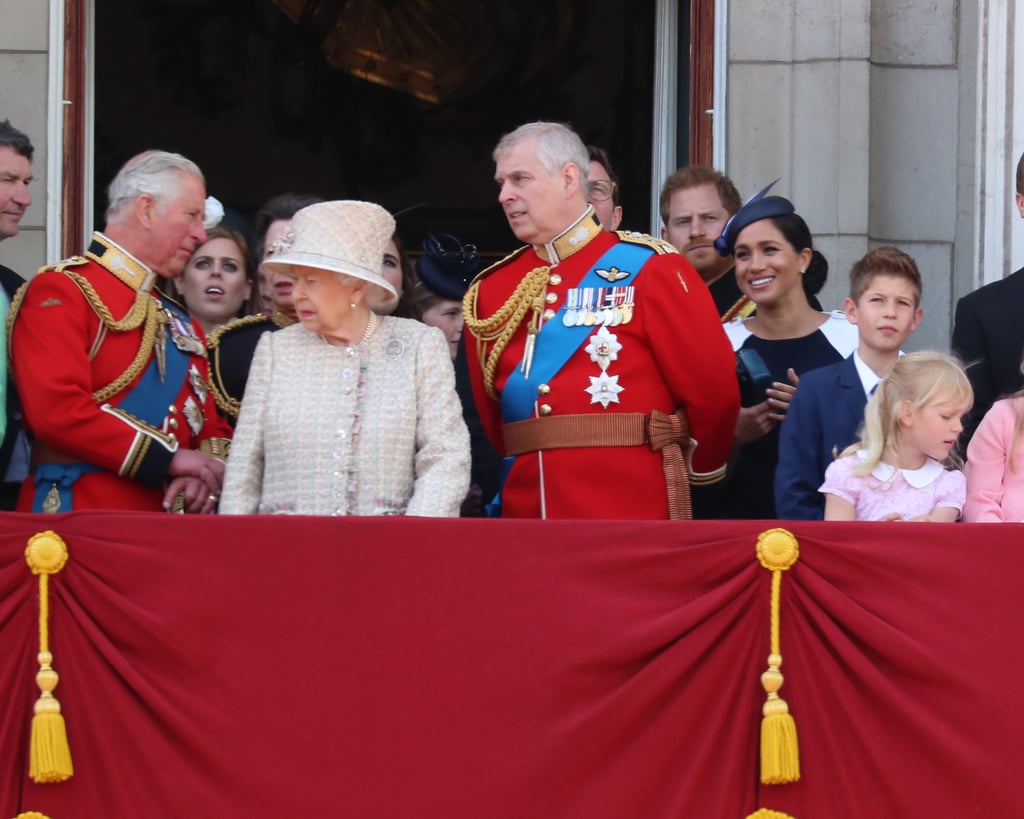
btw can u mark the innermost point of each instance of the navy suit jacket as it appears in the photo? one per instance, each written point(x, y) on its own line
point(988, 334)
point(823, 419)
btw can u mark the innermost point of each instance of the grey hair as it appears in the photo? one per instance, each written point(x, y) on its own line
point(157, 173)
point(557, 145)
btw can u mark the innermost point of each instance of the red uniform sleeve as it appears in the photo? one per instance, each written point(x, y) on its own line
point(694, 357)
point(61, 354)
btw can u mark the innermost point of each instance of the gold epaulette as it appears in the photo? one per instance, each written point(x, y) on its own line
point(214, 337)
point(646, 240)
point(60, 267)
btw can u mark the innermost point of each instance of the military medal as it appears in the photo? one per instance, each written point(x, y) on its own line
point(571, 303)
point(195, 378)
point(603, 348)
point(604, 389)
point(51, 503)
point(184, 339)
point(590, 319)
point(194, 415)
point(627, 306)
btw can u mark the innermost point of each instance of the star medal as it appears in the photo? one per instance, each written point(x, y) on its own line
point(572, 300)
point(195, 378)
point(194, 415)
point(604, 389)
point(603, 348)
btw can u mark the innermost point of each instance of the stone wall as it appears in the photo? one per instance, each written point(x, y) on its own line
point(23, 100)
point(857, 105)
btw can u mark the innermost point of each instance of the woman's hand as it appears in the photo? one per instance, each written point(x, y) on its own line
point(754, 422)
point(779, 395)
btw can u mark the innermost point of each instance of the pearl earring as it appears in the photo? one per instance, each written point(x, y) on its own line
point(352, 305)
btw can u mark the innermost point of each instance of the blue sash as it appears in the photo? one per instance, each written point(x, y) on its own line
point(148, 401)
point(556, 343)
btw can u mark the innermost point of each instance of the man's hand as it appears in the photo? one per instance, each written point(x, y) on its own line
point(196, 495)
point(192, 462)
point(197, 474)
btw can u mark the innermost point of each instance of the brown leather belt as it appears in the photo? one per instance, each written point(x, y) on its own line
point(669, 434)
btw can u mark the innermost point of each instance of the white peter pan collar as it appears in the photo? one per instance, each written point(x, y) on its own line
point(917, 478)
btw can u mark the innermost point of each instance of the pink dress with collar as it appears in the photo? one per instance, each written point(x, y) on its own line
point(889, 491)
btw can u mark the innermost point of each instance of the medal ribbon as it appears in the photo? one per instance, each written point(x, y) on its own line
point(556, 343)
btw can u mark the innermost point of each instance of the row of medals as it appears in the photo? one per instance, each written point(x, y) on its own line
point(605, 306)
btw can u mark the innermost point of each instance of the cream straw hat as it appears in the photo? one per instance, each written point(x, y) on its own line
point(344, 237)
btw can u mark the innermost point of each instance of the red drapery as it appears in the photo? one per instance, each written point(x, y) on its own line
point(391, 668)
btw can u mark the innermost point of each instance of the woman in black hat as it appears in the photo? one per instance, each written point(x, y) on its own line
point(444, 273)
point(779, 270)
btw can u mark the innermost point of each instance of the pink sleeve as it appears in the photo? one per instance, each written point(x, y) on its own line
point(987, 464)
point(841, 482)
point(952, 490)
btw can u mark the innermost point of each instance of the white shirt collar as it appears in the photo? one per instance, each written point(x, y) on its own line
point(868, 378)
point(917, 478)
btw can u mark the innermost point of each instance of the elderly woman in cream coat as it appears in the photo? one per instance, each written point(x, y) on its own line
point(346, 412)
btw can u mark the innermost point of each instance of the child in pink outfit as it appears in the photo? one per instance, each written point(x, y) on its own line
point(995, 465)
point(899, 469)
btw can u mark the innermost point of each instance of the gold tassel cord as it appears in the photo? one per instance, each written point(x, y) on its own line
point(502, 325)
point(764, 813)
point(32, 814)
point(777, 551)
point(49, 754)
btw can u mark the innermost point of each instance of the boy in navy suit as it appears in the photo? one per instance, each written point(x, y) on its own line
point(828, 408)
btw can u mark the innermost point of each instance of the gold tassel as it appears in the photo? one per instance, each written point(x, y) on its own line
point(32, 814)
point(50, 754)
point(777, 551)
point(764, 813)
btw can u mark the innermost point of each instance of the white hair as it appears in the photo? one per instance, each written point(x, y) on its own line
point(557, 145)
point(157, 173)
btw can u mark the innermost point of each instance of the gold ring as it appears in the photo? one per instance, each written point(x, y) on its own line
point(214, 498)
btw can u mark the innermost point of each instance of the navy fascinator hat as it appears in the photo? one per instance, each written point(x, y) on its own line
point(447, 266)
point(757, 207)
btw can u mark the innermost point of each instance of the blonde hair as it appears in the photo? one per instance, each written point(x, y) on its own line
point(921, 379)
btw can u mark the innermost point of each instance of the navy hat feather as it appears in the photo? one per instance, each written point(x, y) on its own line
point(447, 266)
point(757, 207)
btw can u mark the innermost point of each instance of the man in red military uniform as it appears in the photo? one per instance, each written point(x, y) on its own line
point(112, 375)
point(598, 360)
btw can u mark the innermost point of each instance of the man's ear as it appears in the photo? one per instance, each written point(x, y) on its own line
point(145, 210)
point(572, 178)
point(850, 308)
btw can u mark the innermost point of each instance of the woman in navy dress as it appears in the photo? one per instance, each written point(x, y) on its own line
point(779, 270)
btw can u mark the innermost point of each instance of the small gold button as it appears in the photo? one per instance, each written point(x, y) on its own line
point(555, 279)
point(545, 409)
point(551, 298)
point(549, 314)
point(173, 423)
point(172, 409)
point(543, 389)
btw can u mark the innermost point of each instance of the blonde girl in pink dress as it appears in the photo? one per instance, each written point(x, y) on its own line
point(903, 468)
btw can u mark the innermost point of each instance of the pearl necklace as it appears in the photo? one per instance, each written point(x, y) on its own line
point(353, 349)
